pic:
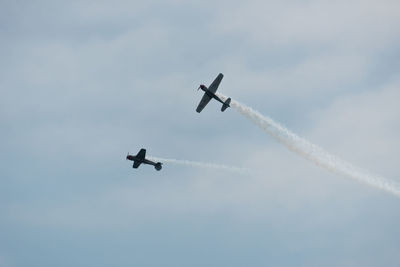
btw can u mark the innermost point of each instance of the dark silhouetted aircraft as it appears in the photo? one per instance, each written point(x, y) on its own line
point(210, 93)
point(141, 158)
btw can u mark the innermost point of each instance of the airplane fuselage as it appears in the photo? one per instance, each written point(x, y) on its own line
point(145, 161)
point(211, 94)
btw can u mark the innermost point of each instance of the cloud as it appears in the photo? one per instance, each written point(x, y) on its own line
point(313, 23)
point(364, 127)
point(83, 83)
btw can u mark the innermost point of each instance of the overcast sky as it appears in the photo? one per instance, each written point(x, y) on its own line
point(84, 82)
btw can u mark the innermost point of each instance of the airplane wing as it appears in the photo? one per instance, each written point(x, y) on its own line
point(203, 102)
point(141, 154)
point(136, 164)
point(214, 86)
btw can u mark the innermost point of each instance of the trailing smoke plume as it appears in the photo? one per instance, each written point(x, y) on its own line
point(313, 152)
point(201, 164)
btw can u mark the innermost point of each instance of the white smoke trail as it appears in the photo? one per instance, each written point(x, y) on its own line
point(200, 164)
point(313, 152)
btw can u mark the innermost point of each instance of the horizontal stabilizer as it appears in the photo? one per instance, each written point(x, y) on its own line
point(158, 166)
point(226, 104)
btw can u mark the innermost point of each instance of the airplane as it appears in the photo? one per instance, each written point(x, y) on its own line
point(210, 93)
point(141, 158)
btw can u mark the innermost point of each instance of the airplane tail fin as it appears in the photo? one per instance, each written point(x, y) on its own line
point(226, 104)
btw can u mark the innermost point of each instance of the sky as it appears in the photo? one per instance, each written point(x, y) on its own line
point(83, 83)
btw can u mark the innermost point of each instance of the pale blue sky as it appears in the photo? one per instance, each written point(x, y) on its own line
point(84, 82)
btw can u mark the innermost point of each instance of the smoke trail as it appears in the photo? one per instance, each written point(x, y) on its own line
point(200, 164)
point(313, 152)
